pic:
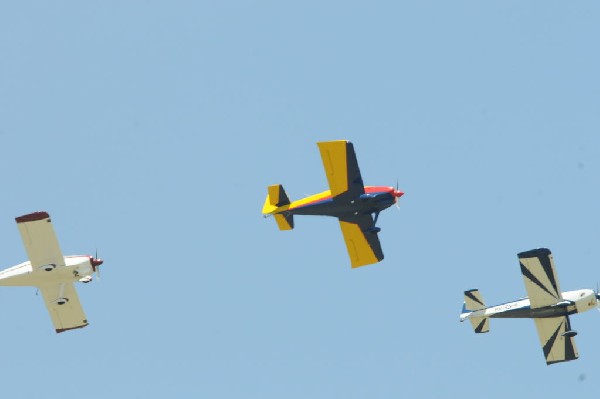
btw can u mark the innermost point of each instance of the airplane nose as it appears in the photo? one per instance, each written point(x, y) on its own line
point(398, 194)
point(97, 262)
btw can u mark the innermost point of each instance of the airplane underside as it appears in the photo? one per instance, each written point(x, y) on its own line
point(539, 313)
point(355, 205)
point(337, 209)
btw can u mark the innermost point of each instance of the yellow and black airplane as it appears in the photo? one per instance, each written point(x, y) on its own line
point(355, 205)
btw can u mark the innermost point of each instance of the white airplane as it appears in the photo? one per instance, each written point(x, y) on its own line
point(50, 271)
point(546, 305)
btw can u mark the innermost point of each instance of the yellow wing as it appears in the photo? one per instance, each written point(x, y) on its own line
point(341, 168)
point(361, 240)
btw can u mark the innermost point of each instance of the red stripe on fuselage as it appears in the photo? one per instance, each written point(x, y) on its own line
point(378, 189)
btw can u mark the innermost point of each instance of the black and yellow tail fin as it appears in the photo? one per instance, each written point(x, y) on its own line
point(276, 204)
point(276, 198)
point(284, 222)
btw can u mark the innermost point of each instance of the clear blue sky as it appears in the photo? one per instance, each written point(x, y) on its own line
point(150, 130)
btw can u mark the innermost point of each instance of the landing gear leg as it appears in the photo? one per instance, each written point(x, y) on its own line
point(376, 217)
point(61, 300)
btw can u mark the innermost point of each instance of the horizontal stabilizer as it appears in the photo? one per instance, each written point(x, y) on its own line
point(277, 195)
point(473, 303)
point(284, 222)
point(474, 300)
point(276, 198)
point(480, 324)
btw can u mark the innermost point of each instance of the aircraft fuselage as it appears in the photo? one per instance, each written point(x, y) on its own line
point(374, 200)
point(74, 268)
point(573, 302)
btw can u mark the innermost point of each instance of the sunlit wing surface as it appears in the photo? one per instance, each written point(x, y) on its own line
point(557, 347)
point(341, 168)
point(68, 316)
point(361, 240)
point(539, 274)
point(40, 240)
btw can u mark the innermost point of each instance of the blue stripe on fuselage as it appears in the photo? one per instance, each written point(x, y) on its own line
point(365, 204)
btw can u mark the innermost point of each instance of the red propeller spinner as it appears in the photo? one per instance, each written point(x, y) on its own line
point(95, 262)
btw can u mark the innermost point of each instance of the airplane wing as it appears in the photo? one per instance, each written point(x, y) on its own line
point(68, 316)
point(557, 347)
point(341, 168)
point(361, 240)
point(539, 274)
point(39, 239)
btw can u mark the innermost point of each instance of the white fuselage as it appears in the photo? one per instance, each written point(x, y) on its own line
point(74, 269)
point(573, 302)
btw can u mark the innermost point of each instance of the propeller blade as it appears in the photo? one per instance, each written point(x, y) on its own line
point(96, 262)
point(97, 267)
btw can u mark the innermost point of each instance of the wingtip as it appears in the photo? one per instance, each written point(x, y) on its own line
point(533, 253)
point(61, 330)
point(32, 217)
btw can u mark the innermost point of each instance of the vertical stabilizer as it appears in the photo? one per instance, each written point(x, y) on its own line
point(277, 203)
point(276, 198)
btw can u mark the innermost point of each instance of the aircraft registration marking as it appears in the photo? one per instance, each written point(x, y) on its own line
point(505, 307)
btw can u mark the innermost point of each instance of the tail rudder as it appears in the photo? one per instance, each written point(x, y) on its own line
point(464, 314)
point(276, 205)
point(276, 198)
point(474, 302)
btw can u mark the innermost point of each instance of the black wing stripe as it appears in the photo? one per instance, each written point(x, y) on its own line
point(569, 349)
point(548, 346)
point(547, 265)
point(480, 326)
point(473, 297)
point(534, 280)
